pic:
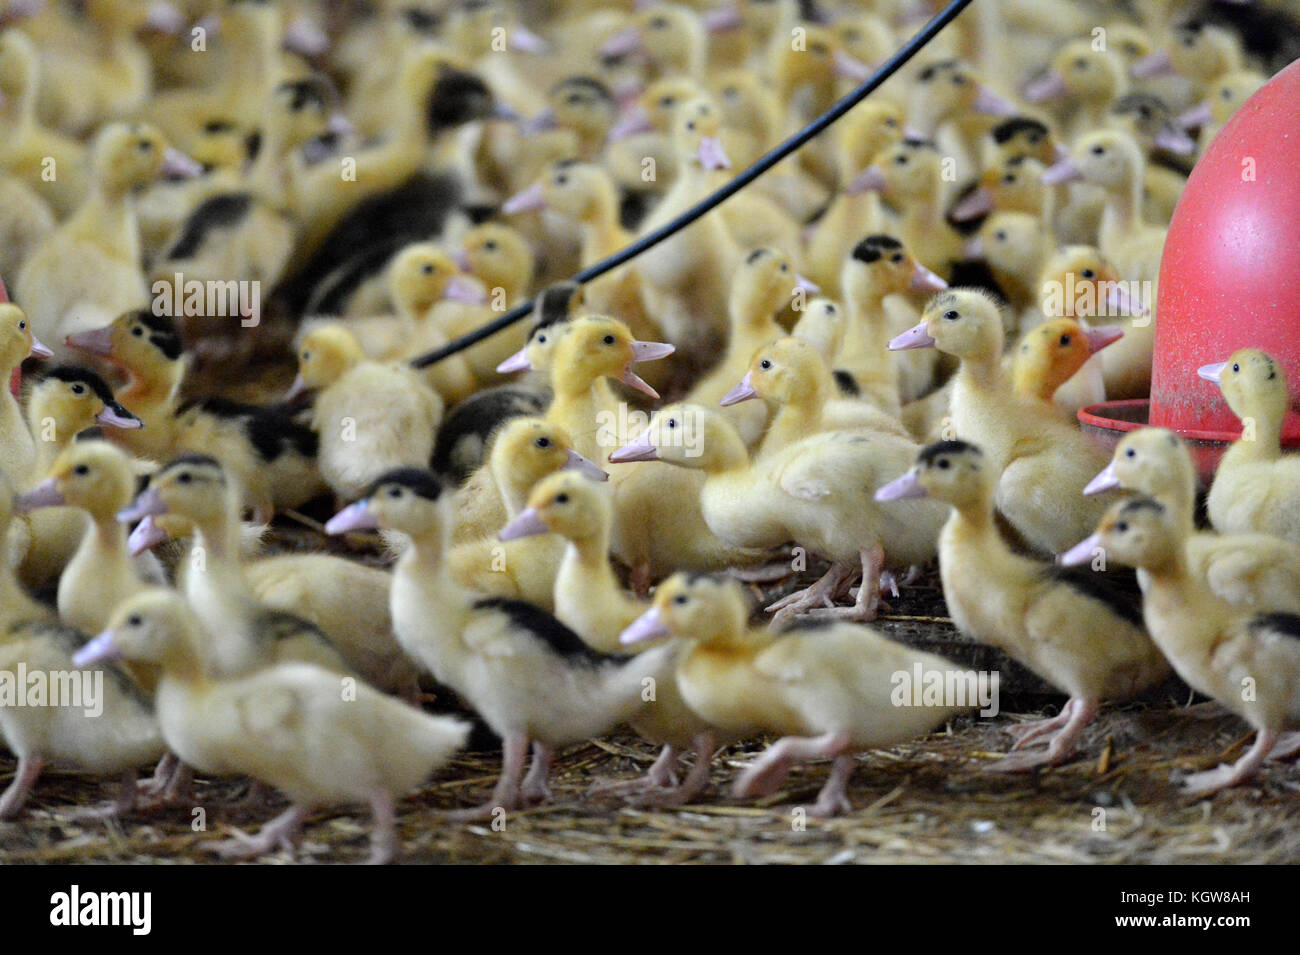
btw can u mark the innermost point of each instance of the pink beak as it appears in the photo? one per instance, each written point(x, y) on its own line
point(641, 448)
point(530, 200)
point(918, 336)
point(118, 417)
point(648, 626)
point(1212, 372)
point(1172, 139)
point(711, 155)
point(526, 524)
point(806, 285)
point(146, 536)
point(584, 466)
point(744, 391)
point(516, 362)
point(354, 517)
point(871, 179)
point(97, 341)
point(987, 101)
point(177, 165)
point(1103, 482)
point(1121, 303)
point(1099, 336)
point(45, 494)
point(1081, 552)
point(723, 18)
point(1063, 170)
point(39, 350)
point(905, 488)
point(923, 280)
point(296, 390)
point(623, 43)
point(850, 67)
point(526, 41)
point(1049, 86)
point(974, 248)
point(101, 649)
point(1199, 115)
point(1155, 64)
point(978, 203)
point(635, 120)
point(464, 290)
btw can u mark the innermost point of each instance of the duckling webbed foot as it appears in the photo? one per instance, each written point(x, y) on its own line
point(1287, 745)
point(283, 832)
point(29, 770)
point(123, 805)
point(1223, 777)
point(696, 782)
point(535, 788)
point(819, 596)
point(506, 796)
point(1024, 733)
point(833, 800)
point(661, 774)
point(1059, 747)
point(383, 838)
point(766, 774)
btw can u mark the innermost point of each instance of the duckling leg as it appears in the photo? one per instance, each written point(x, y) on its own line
point(1288, 744)
point(29, 770)
point(383, 838)
point(765, 775)
point(121, 806)
point(1060, 746)
point(156, 784)
point(833, 800)
point(696, 782)
point(662, 773)
point(818, 596)
point(1023, 733)
point(506, 795)
point(867, 600)
point(535, 788)
point(1227, 775)
point(282, 831)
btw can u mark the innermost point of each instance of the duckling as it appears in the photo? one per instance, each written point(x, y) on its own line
point(590, 600)
point(1260, 570)
point(369, 416)
point(578, 117)
point(1041, 459)
point(96, 477)
point(1051, 354)
point(1197, 52)
point(1010, 184)
point(822, 325)
point(1162, 140)
point(1084, 80)
point(52, 165)
point(1226, 96)
point(761, 287)
point(1016, 246)
point(1024, 136)
point(668, 40)
point(825, 690)
point(1075, 630)
point(1257, 487)
point(494, 652)
point(815, 491)
point(947, 94)
point(25, 221)
point(319, 746)
point(88, 271)
point(17, 445)
point(118, 738)
point(1212, 645)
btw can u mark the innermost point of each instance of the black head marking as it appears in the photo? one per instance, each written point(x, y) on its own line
point(423, 483)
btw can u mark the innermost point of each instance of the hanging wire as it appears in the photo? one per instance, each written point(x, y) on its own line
point(706, 205)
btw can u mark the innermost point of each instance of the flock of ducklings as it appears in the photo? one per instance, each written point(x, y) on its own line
point(398, 175)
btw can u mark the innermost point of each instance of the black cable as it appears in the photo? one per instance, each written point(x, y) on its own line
point(706, 205)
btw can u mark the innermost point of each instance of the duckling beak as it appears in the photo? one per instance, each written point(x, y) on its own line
point(148, 502)
point(871, 179)
point(530, 200)
point(146, 535)
point(101, 649)
point(973, 249)
point(524, 40)
point(1119, 302)
point(296, 390)
point(623, 43)
point(516, 362)
point(638, 449)
point(339, 125)
point(527, 523)
point(923, 280)
point(1172, 139)
point(305, 38)
point(1153, 64)
point(45, 494)
point(39, 349)
point(849, 67)
point(978, 203)
point(1080, 553)
point(97, 341)
point(584, 466)
point(1099, 336)
point(1064, 169)
point(177, 165)
point(164, 18)
point(461, 258)
point(635, 120)
point(644, 351)
point(918, 336)
point(1213, 372)
point(1049, 86)
point(355, 517)
point(118, 417)
point(744, 391)
point(711, 155)
point(539, 123)
point(723, 18)
point(464, 290)
point(1199, 115)
point(987, 101)
point(806, 285)
point(904, 488)
point(648, 626)
point(1103, 482)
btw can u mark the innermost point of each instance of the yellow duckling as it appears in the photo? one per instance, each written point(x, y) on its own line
point(1213, 645)
point(1257, 487)
point(1260, 570)
point(1071, 628)
point(946, 94)
point(493, 651)
point(666, 40)
point(287, 725)
point(822, 324)
point(1198, 52)
point(17, 445)
point(1010, 184)
point(827, 691)
point(1083, 81)
point(1043, 461)
point(370, 417)
point(1016, 246)
point(88, 271)
point(1224, 98)
point(815, 491)
point(1051, 354)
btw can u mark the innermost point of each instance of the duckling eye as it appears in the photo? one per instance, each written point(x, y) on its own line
point(765, 364)
point(1000, 235)
point(828, 308)
point(896, 257)
point(1130, 453)
point(690, 124)
point(1080, 64)
point(81, 470)
point(785, 267)
point(144, 146)
point(1236, 367)
point(135, 620)
point(681, 600)
point(1065, 341)
point(731, 92)
point(137, 331)
point(891, 122)
point(543, 443)
point(185, 477)
point(490, 245)
point(1088, 274)
point(22, 326)
point(1122, 527)
point(562, 179)
point(541, 339)
point(672, 423)
point(1009, 178)
point(952, 315)
point(574, 99)
point(81, 389)
point(900, 160)
point(944, 464)
point(1144, 112)
point(958, 79)
point(394, 492)
point(561, 499)
point(608, 339)
point(1098, 150)
point(667, 101)
point(427, 268)
point(659, 23)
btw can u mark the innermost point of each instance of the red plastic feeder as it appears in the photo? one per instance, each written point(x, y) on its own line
point(1229, 277)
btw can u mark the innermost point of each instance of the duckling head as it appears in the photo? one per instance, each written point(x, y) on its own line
point(948, 88)
point(905, 172)
point(302, 109)
point(868, 129)
point(565, 503)
point(689, 436)
point(1079, 71)
point(710, 611)
point(698, 135)
point(155, 626)
point(1197, 51)
point(1130, 41)
point(787, 371)
point(552, 309)
point(581, 103)
point(660, 34)
point(409, 500)
point(880, 265)
point(1026, 136)
point(746, 102)
point(1149, 461)
point(499, 257)
point(867, 40)
point(1079, 282)
point(1052, 352)
point(1107, 157)
point(655, 109)
point(128, 156)
point(69, 399)
point(597, 346)
point(192, 486)
point(1253, 384)
point(17, 343)
point(954, 472)
point(325, 355)
point(1138, 532)
point(138, 341)
point(19, 68)
point(963, 322)
point(527, 449)
point(764, 283)
point(576, 190)
point(1230, 91)
point(821, 324)
point(1148, 119)
point(419, 277)
point(1011, 242)
point(95, 476)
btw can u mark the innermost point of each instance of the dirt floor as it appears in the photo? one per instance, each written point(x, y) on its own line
point(930, 800)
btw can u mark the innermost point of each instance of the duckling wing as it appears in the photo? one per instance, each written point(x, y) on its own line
point(1257, 569)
